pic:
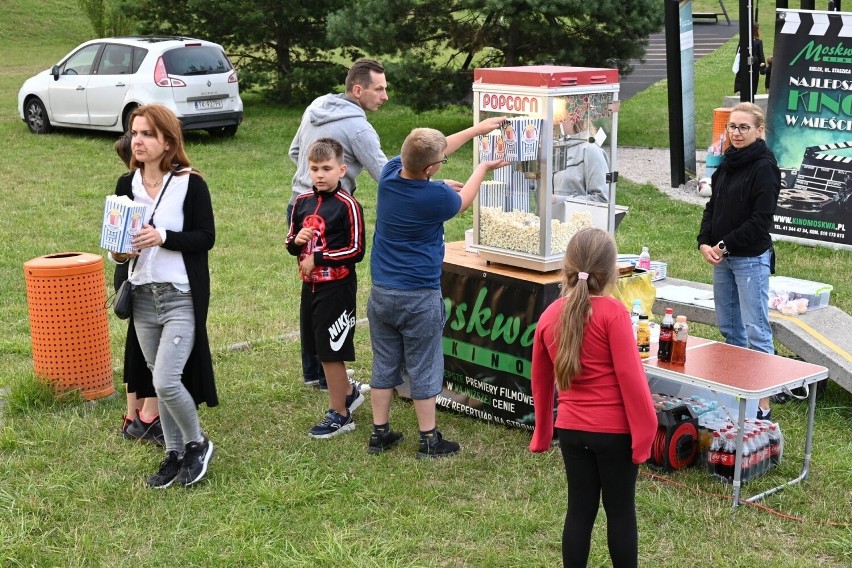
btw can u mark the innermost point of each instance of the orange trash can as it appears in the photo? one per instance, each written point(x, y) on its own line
point(720, 120)
point(66, 297)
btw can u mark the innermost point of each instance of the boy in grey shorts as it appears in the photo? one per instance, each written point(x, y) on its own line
point(406, 308)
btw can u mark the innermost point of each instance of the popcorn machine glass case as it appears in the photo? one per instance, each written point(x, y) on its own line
point(560, 138)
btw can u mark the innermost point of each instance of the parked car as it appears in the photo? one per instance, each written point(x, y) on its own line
point(98, 85)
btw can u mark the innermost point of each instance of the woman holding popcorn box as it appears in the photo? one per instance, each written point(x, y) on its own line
point(171, 288)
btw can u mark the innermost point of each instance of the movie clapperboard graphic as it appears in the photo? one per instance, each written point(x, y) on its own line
point(823, 179)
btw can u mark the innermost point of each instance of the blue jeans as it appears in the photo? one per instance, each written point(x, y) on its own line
point(311, 368)
point(741, 292)
point(165, 324)
point(406, 332)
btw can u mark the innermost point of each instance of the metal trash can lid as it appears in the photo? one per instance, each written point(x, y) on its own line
point(63, 264)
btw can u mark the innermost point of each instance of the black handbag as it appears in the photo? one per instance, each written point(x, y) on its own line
point(123, 305)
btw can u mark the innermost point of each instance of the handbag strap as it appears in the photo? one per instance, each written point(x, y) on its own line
point(160, 198)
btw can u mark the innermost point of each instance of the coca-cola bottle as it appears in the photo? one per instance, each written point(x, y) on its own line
point(664, 351)
point(714, 454)
point(725, 468)
point(745, 464)
point(776, 443)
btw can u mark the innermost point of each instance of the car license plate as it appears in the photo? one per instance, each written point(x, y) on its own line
point(208, 105)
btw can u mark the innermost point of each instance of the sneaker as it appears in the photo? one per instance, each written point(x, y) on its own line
point(433, 445)
point(168, 472)
point(383, 442)
point(333, 424)
point(149, 431)
point(311, 382)
point(761, 415)
point(363, 387)
point(196, 457)
point(780, 398)
point(354, 400)
point(126, 422)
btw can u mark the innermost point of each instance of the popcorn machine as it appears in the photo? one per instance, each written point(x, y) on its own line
point(560, 138)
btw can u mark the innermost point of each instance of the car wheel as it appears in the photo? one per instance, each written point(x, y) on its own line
point(125, 121)
point(223, 131)
point(37, 118)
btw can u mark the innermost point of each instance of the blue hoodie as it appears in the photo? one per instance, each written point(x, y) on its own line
point(335, 116)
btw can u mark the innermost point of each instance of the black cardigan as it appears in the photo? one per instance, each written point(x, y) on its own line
point(194, 242)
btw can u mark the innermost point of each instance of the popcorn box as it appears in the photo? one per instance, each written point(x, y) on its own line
point(122, 218)
point(492, 194)
point(529, 132)
point(510, 137)
point(486, 152)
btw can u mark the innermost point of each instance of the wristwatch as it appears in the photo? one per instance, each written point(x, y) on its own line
point(723, 248)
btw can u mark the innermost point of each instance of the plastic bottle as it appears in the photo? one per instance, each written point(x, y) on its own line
point(634, 315)
point(679, 337)
point(714, 454)
point(745, 465)
point(644, 259)
point(727, 459)
point(776, 444)
point(643, 337)
point(765, 449)
point(664, 352)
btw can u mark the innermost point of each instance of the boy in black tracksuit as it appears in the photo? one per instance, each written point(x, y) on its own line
point(327, 235)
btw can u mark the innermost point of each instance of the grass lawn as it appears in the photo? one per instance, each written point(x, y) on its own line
point(72, 490)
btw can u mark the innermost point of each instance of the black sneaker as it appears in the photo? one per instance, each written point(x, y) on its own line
point(151, 432)
point(196, 456)
point(168, 472)
point(433, 445)
point(354, 399)
point(125, 423)
point(383, 442)
point(332, 424)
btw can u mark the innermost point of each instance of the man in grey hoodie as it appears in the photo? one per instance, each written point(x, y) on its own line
point(342, 117)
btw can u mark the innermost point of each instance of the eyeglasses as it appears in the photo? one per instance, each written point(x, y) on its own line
point(742, 128)
point(444, 161)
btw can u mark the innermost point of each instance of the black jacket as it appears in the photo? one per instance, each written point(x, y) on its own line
point(338, 223)
point(745, 192)
point(194, 242)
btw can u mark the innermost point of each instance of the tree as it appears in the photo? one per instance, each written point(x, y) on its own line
point(106, 17)
point(292, 48)
point(280, 46)
point(441, 41)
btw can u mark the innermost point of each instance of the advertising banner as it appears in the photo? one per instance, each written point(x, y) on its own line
point(687, 83)
point(809, 126)
point(488, 337)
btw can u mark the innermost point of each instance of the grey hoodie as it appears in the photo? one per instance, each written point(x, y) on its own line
point(335, 116)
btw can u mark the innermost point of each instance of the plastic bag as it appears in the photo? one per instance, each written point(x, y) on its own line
point(637, 286)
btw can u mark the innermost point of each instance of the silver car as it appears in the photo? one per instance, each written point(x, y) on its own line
point(98, 85)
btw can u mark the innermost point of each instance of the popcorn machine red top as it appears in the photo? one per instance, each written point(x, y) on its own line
point(561, 140)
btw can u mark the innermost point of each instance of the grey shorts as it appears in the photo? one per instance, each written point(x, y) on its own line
point(406, 329)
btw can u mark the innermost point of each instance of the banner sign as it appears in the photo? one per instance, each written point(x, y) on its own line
point(687, 83)
point(488, 337)
point(809, 126)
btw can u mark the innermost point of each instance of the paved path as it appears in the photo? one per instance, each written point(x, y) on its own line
point(707, 38)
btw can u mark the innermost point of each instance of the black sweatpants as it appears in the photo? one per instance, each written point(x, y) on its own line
point(599, 466)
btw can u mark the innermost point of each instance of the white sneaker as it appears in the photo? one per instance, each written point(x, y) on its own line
point(363, 387)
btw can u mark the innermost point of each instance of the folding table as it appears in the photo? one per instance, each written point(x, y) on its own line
point(744, 374)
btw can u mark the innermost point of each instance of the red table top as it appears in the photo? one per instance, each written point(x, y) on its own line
point(737, 371)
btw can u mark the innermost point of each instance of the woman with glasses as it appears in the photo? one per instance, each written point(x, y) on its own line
point(734, 236)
